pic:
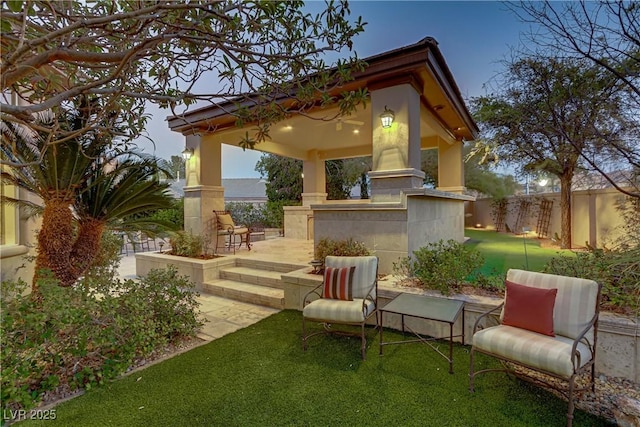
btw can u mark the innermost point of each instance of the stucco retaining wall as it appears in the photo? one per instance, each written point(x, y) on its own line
point(199, 271)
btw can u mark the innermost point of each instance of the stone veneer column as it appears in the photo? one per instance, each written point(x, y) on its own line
point(396, 150)
point(314, 181)
point(450, 167)
point(203, 192)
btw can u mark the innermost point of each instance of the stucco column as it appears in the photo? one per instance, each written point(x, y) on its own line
point(396, 150)
point(314, 181)
point(203, 192)
point(450, 167)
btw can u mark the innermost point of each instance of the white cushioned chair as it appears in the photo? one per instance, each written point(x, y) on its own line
point(327, 306)
point(565, 352)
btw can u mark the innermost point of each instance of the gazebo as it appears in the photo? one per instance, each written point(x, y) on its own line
point(416, 86)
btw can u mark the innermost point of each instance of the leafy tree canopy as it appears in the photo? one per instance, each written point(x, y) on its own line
point(555, 115)
point(123, 54)
point(284, 177)
point(605, 35)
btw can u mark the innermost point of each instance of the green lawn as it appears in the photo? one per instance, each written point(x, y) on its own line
point(259, 376)
point(504, 251)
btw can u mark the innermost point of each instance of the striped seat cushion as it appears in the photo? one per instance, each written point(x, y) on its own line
point(551, 354)
point(339, 311)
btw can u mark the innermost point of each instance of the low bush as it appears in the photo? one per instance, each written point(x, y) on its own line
point(106, 263)
point(76, 339)
point(442, 266)
point(346, 247)
point(617, 271)
point(187, 244)
point(246, 214)
point(173, 215)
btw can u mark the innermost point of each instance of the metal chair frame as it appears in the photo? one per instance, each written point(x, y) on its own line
point(230, 233)
point(570, 390)
point(316, 293)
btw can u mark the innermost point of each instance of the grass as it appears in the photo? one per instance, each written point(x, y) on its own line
point(504, 251)
point(259, 376)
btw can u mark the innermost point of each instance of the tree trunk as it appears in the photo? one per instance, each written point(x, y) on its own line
point(55, 241)
point(565, 210)
point(86, 246)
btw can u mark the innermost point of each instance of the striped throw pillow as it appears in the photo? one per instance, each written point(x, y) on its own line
point(338, 283)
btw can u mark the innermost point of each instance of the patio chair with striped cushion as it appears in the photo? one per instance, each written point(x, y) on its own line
point(548, 325)
point(348, 295)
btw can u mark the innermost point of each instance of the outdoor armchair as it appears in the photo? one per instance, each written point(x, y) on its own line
point(547, 325)
point(348, 295)
point(227, 230)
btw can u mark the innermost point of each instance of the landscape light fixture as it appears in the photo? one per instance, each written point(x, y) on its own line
point(187, 153)
point(387, 117)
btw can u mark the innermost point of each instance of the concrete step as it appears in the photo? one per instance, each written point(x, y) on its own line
point(254, 276)
point(283, 267)
point(246, 292)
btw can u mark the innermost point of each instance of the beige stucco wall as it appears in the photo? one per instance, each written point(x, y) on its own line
point(298, 222)
point(431, 220)
point(595, 218)
point(382, 228)
point(14, 262)
point(393, 230)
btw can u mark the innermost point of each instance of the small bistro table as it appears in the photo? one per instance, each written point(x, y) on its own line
point(427, 308)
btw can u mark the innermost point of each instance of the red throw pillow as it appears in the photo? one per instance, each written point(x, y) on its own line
point(338, 283)
point(529, 308)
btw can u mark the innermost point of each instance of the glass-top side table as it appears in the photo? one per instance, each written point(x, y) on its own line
point(427, 308)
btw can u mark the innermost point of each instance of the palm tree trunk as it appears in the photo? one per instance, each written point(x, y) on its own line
point(55, 241)
point(86, 246)
point(565, 210)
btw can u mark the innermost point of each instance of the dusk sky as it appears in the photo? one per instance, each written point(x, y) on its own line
point(473, 36)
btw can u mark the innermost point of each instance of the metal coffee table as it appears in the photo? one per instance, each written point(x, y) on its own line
point(427, 308)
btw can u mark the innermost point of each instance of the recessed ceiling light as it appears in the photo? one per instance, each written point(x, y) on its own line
point(356, 131)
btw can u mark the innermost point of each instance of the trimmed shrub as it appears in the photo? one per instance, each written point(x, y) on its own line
point(73, 338)
point(347, 247)
point(442, 266)
point(187, 244)
point(617, 271)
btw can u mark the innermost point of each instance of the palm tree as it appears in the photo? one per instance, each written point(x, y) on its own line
point(82, 185)
point(115, 196)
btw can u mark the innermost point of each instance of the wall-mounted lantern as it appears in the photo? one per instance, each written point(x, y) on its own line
point(187, 153)
point(387, 117)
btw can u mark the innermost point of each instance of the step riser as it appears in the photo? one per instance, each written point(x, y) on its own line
point(248, 297)
point(250, 278)
point(264, 274)
point(280, 267)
